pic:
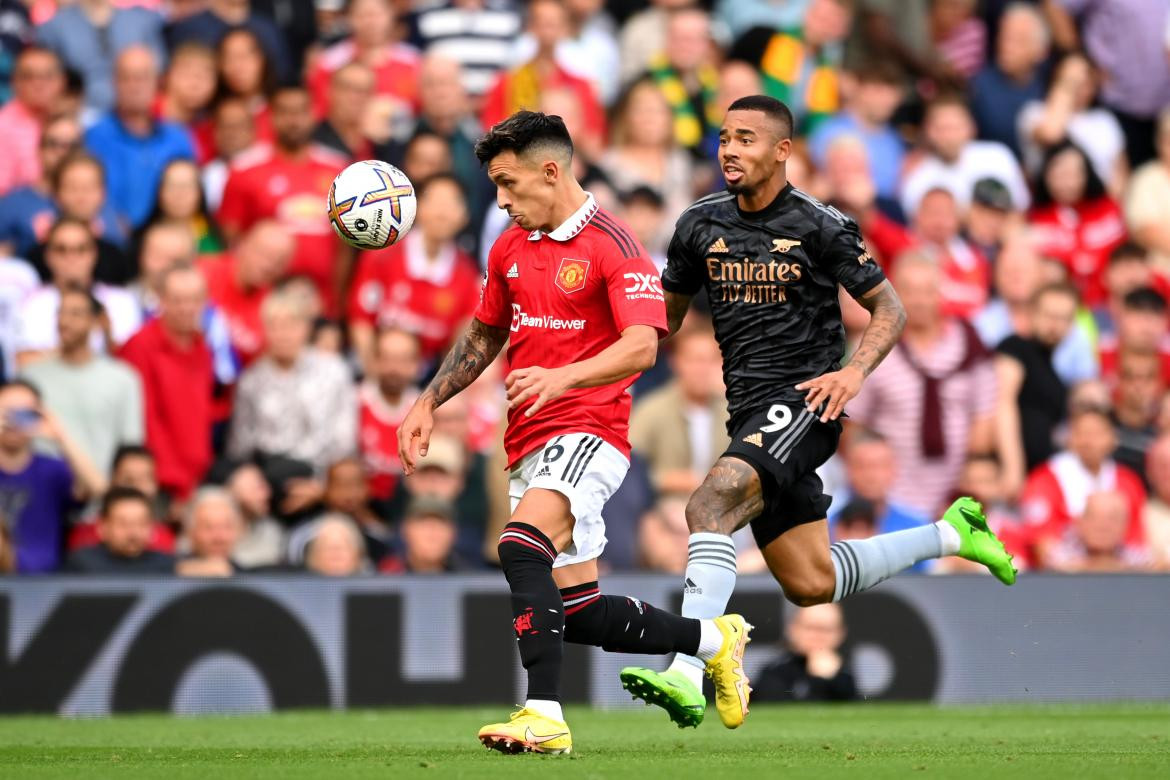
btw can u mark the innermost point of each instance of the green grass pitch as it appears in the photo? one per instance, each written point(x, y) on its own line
point(857, 741)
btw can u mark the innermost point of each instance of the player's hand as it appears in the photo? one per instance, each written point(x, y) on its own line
point(544, 384)
point(834, 390)
point(414, 434)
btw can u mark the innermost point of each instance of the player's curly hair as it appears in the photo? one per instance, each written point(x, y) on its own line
point(526, 131)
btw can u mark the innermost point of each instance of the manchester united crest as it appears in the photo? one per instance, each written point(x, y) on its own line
point(571, 275)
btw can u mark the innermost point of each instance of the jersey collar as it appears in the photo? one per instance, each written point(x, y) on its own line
point(573, 225)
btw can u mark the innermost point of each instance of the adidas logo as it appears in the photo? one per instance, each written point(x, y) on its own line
point(720, 246)
point(513, 272)
point(755, 438)
point(544, 472)
point(689, 586)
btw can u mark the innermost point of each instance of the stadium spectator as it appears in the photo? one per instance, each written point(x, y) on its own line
point(17, 280)
point(812, 667)
point(1141, 328)
point(966, 274)
point(295, 401)
point(932, 41)
point(263, 541)
point(16, 31)
point(681, 428)
point(97, 399)
point(90, 34)
point(1056, 492)
point(588, 49)
point(427, 540)
point(643, 37)
point(857, 519)
point(663, 535)
point(1015, 76)
point(212, 528)
point(289, 182)
point(160, 248)
point(849, 186)
point(477, 34)
point(1124, 38)
point(643, 209)
point(393, 65)
point(233, 130)
point(933, 398)
point(1147, 200)
point(1068, 113)
point(687, 79)
point(37, 492)
point(344, 129)
point(384, 397)
point(1156, 514)
point(38, 85)
point(238, 283)
point(1096, 539)
point(982, 479)
point(334, 548)
point(959, 38)
point(133, 467)
point(1033, 400)
point(871, 93)
point(124, 533)
point(71, 257)
point(424, 284)
point(645, 151)
point(1128, 270)
point(210, 26)
point(453, 421)
point(1140, 387)
point(188, 89)
point(871, 470)
point(247, 74)
point(807, 75)
point(521, 87)
point(1075, 221)
point(956, 161)
point(132, 145)
point(181, 202)
point(175, 365)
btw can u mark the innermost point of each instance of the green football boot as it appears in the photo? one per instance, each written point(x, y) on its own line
point(977, 542)
point(670, 690)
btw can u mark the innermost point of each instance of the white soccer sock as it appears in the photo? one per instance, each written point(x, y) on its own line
point(707, 587)
point(549, 709)
point(862, 563)
point(710, 640)
point(949, 538)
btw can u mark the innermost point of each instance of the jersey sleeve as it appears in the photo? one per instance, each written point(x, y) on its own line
point(635, 291)
point(234, 211)
point(846, 257)
point(495, 304)
point(684, 272)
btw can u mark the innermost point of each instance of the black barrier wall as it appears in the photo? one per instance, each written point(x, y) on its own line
point(253, 644)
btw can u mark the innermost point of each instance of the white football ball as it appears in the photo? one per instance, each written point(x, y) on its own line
point(371, 204)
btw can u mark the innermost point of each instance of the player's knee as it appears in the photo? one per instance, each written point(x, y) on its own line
point(810, 588)
point(704, 516)
point(522, 545)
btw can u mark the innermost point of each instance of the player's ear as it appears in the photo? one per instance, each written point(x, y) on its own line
point(783, 149)
point(551, 170)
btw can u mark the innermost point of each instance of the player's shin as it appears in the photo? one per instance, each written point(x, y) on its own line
point(626, 625)
point(862, 563)
point(707, 587)
point(527, 557)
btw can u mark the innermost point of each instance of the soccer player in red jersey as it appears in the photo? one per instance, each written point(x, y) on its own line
point(581, 304)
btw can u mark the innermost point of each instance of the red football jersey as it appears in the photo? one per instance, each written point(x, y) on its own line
point(566, 296)
point(265, 185)
point(378, 423)
point(1082, 238)
point(241, 307)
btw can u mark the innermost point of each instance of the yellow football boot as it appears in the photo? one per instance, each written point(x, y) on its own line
point(527, 731)
point(725, 670)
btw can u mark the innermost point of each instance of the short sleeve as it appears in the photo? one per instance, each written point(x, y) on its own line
point(684, 272)
point(635, 292)
point(495, 305)
point(846, 257)
point(233, 208)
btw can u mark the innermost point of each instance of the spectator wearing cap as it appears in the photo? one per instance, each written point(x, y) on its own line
point(1069, 112)
point(220, 17)
point(965, 272)
point(1140, 389)
point(1015, 76)
point(427, 536)
point(1096, 540)
point(212, 528)
point(955, 160)
point(1156, 514)
point(133, 146)
point(88, 35)
point(71, 256)
point(296, 401)
point(124, 530)
point(175, 366)
point(98, 399)
point(1147, 200)
point(1141, 329)
point(388, 392)
point(477, 34)
point(871, 93)
point(989, 218)
point(812, 667)
point(38, 85)
point(1074, 220)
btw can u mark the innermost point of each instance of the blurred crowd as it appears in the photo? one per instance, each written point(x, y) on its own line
point(198, 377)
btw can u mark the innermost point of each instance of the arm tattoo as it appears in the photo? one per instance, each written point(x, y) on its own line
point(676, 309)
point(887, 318)
point(472, 353)
point(729, 498)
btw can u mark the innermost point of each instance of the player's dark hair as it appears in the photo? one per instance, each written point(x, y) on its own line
point(1144, 299)
point(1057, 288)
point(95, 306)
point(524, 131)
point(770, 107)
point(125, 451)
point(118, 495)
point(26, 384)
point(1129, 251)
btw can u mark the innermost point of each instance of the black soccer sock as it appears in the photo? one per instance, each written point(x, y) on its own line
point(527, 557)
point(625, 625)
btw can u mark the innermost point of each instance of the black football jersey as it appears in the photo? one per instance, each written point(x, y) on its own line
point(771, 278)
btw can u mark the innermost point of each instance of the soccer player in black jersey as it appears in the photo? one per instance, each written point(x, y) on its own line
point(771, 259)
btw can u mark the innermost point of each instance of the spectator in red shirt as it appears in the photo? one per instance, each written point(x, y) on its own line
point(1141, 328)
point(395, 65)
point(344, 127)
point(238, 283)
point(424, 284)
point(175, 365)
point(1096, 539)
point(289, 182)
point(245, 73)
point(1075, 221)
point(233, 131)
point(521, 87)
point(966, 274)
point(385, 397)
